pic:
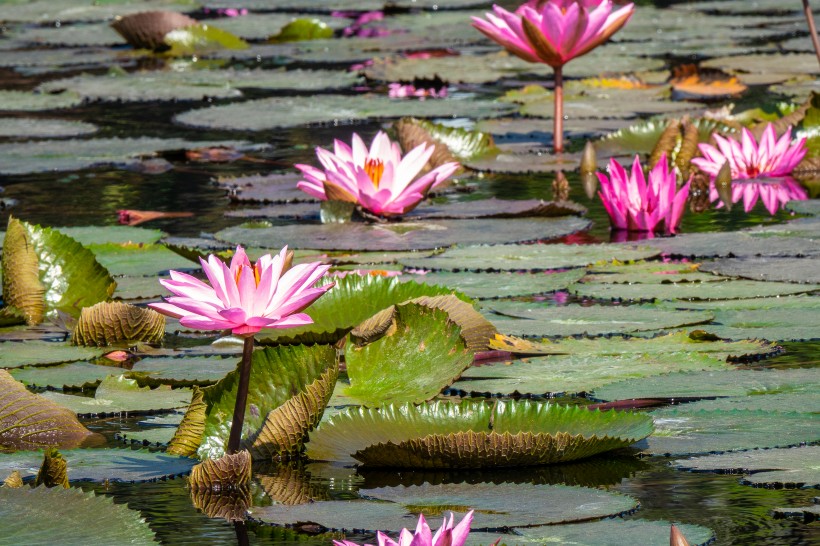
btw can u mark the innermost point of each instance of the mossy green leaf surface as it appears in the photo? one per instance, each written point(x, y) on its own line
point(199, 38)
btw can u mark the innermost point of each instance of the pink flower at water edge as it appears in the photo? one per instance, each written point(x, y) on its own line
point(554, 31)
point(401, 91)
point(774, 192)
point(748, 158)
point(447, 534)
point(244, 297)
point(379, 179)
point(637, 204)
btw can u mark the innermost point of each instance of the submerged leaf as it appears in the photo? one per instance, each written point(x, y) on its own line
point(110, 322)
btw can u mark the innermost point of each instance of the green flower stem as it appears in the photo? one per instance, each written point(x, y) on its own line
point(241, 397)
point(558, 128)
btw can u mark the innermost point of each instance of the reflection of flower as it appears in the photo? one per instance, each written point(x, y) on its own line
point(774, 192)
point(244, 297)
point(379, 180)
point(749, 159)
point(447, 535)
point(635, 204)
point(400, 91)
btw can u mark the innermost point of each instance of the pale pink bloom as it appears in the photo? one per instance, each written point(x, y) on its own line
point(635, 204)
point(243, 297)
point(774, 192)
point(447, 535)
point(400, 91)
point(750, 159)
point(559, 30)
point(379, 180)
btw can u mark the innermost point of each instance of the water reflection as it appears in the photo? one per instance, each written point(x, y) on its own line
point(773, 192)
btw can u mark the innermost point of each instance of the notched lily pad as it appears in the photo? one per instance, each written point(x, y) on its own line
point(71, 376)
point(499, 285)
point(118, 394)
point(107, 323)
point(796, 270)
point(182, 371)
point(16, 354)
point(613, 532)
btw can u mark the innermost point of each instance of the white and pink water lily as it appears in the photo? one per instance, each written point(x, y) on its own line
point(244, 297)
point(447, 534)
point(379, 179)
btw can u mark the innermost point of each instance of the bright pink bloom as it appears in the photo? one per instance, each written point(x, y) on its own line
point(774, 192)
point(554, 31)
point(244, 297)
point(749, 159)
point(400, 91)
point(379, 180)
point(635, 205)
point(447, 535)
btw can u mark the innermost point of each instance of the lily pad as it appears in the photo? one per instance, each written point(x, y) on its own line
point(405, 235)
point(69, 155)
point(49, 11)
point(499, 285)
point(15, 354)
point(271, 188)
point(200, 38)
point(421, 353)
point(117, 394)
point(715, 383)
point(195, 85)
point(29, 516)
point(792, 467)
point(612, 532)
point(28, 421)
point(534, 319)
point(472, 434)
point(139, 259)
point(108, 323)
point(75, 375)
point(183, 371)
point(259, 26)
point(91, 34)
point(796, 63)
point(101, 465)
point(97, 235)
point(297, 111)
point(31, 102)
point(643, 136)
point(788, 401)
point(681, 431)
point(132, 288)
point(738, 244)
point(796, 270)
point(805, 513)
point(527, 257)
point(22, 128)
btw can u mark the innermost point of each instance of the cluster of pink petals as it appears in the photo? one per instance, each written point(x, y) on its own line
point(447, 534)
point(750, 159)
point(774, 192)
point(360, 19)
point(637, 204)
point(554, 31)
point(401, 91)
point(227, 12)
point(243, 297)
point(379, 180)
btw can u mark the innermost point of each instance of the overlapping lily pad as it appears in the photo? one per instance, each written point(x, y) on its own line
point(183, 371)
point(296, 111)
point(48, 11)
point(30, 516)
point(792, 467)
point(15, 354)
point(799, 270)
point(91, 34)
point(22, 128)
point(500, 285)
point(738, 244)
point(613, 532)
point(75, 375)
point(118, 394)
point(97, 235)
point(472, 434)
point(31, 102)
point(797, 63)
point(139, 259)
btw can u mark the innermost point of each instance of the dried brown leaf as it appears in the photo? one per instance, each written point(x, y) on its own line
point(54, 470)
point(14, 480)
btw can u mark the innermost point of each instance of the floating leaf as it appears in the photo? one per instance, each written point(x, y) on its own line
point(231, 471)
point(421, 352)
point(54, 470)
point(198, 38)
point(75, 375)
point(31, 516)
point(612, 532)
point(645, 136)
point(792, 467)
point(499, 285)
point(107, 323)
point(28, 421)
point(117, 394)
point(24, 128)
point(452, 143)
point(473, 434)
point(476, 331)
point(806, 513)
point(31, 102)
point(97, 235)
point(15, 354)
point(182, 371)
point(302, 29)
point(799, 270)
point(690, 83)
point(139, 259)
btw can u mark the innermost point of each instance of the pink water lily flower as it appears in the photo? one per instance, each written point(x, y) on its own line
point(447, 535)
point(244, 297)
point(637, 204)
point(749, 159)
point(379, 180)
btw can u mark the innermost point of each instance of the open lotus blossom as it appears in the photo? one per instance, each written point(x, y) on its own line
point(774, 192)
point(750, 159)
point(244, 297)
point(447, 535)
point(401, 91)
point(554, 32)
point(637, 204)
point(379, 180)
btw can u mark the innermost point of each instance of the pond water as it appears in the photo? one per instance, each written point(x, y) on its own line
point(665, 35)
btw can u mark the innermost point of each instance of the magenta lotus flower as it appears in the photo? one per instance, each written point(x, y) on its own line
point(243, 297)
point(401, 91)
point(750, 159)
point(447, 535)
point(774, 192)
point(379, 180)
point(635, 204)
point(554, 32)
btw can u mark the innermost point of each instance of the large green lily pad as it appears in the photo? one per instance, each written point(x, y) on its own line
point(49, 11)
point(296, 111)
point(22, 128)
point(681, 431)
point(769, 467)
point(75, 375)
point(15, 354)
point(139, 259)
point(795, 63)
point(98, 235)
point(419, 355)
point(405, 235)
point(133, 288)
point(527, 257)
point(642, 137)
point(182, 371)
point(118, 394)
point(31, 102)
point(612, 532)
point(500, 285)
point(472, 434)
point(798, 270)
point(37, 516)
point(739, 244)
point(538, 319)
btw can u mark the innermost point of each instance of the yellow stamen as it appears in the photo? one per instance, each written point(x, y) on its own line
point(374, 169)
point(255, 274)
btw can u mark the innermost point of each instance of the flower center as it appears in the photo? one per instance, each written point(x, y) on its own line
point(752, 171)
point(374, 169)
point(255, 274)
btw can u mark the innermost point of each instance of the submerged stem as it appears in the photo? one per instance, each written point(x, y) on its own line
point(812, 28)
point(558, 127)
point(241, 397)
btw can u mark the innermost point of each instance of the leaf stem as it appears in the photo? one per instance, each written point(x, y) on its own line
point(812, 28)
point(241, 397)
point(558, 128)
